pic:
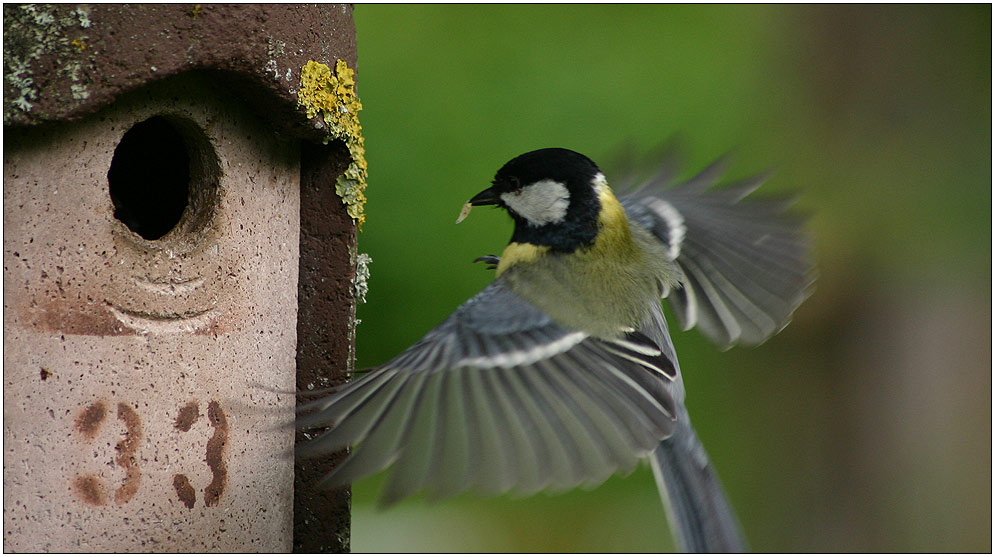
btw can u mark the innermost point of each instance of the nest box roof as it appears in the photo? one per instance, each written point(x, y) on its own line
point(63, 62)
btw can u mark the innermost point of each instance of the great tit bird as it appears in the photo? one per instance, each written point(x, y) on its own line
point(562, 372)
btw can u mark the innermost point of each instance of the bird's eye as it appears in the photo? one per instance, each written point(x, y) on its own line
point(515, 183)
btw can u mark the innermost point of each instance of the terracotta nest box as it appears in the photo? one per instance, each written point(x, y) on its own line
point(181, 191)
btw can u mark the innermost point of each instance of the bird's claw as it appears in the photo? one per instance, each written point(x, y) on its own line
point(491, 260)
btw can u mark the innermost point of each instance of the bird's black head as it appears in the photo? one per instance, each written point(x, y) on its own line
point(552, 195)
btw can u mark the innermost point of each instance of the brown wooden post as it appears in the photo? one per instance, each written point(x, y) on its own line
point(327, 306)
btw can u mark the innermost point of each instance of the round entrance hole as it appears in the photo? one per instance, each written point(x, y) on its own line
point(162, 177)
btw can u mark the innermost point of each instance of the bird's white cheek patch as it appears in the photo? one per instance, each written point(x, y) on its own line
point(540, 203)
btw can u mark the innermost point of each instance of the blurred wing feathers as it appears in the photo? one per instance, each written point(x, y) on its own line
point(500, 398)
point(746, 261)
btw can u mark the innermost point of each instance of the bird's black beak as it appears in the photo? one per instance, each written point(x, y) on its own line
point(486, 197)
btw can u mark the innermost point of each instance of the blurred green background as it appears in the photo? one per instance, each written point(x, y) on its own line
point(866, 424)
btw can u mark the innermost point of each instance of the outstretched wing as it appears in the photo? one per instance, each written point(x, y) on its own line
point(500, 398)
point(746, 261)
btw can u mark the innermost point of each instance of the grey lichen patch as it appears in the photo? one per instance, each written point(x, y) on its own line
point(80, 92)
point(72, 70)
point(360, 284)
point(32, 32)
point(272, 67)
point(84, 16)
point(276, 49)
point(360, 288)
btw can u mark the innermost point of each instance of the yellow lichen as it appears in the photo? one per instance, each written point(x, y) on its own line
point(333, 97)
point(78, 43)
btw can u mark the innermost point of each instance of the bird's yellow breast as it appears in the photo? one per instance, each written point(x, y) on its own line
point(515, 253)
